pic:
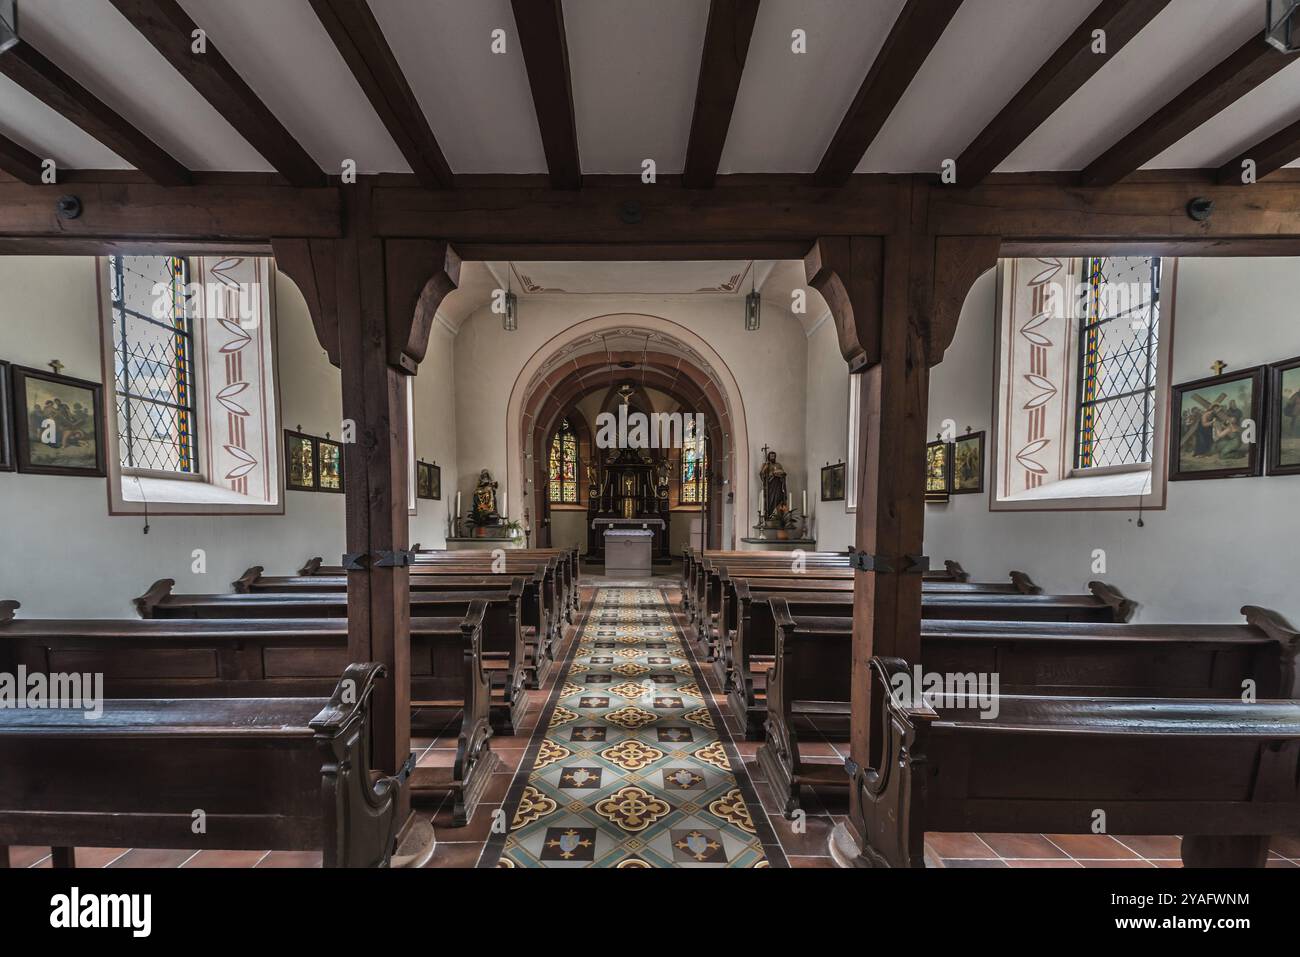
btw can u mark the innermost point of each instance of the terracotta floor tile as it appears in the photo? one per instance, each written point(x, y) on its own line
point(152, 857)
point(291, 859)
point(1153, 846)
point(1123, 862)
point(456, 855)
point(1278, 862)
point(961, 862)
point(22, 855)
point(1053, 863)
point(1022, 846)
point(956, 845)
point(233, 859)
point(1286, 846)
point(800, 860)
point(1090, 846)
point(478, 829)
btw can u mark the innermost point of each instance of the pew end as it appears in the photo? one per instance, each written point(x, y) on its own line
point(244, 583)
point(956, 571)
point(147, 603)
point(1024, 584)
point(7, 609)
point(1288, 639)
point(1123, 608)
point(312, 567)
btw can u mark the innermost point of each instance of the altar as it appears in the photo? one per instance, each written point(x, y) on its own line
point(629, 492)
point(627, 552)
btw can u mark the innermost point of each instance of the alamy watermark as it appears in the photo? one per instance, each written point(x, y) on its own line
point(636, 430)
point(970, 689)
point(37, 690)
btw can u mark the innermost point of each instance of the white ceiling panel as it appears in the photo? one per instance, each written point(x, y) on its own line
point(478, 103)
point(634, 67)
point(1272, 105)
point(790, 104)
point(282, 52)
point(990, 49)
point(97, 47)
point(1177, 47)
point(30, 123)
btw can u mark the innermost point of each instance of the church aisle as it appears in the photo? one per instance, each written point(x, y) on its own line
point(631, 770)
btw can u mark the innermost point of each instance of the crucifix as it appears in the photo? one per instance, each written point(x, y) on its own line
point(1218, 366)
point(56, 366)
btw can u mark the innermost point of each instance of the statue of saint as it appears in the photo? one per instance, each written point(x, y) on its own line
point(772, 476)
point(485, 499)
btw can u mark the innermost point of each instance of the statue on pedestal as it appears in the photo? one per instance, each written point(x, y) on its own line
point(484, 511)
point(775, 493)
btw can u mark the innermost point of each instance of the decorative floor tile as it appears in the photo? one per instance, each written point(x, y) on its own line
point(632, 773)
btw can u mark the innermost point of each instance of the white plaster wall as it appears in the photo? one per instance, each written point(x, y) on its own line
point(435, 436)
point(826, 426)
point(1220, 544)
point(769, 367)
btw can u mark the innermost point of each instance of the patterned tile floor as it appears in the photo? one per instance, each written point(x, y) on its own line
point(631, 771)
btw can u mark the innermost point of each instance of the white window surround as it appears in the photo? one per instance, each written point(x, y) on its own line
point(1122, 488)
point(853, 443)
point(134, 492)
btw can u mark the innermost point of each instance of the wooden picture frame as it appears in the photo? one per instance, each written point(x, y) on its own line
point(1206, 415)
point(81, 409)
point(1284, 417)
point(300, 461)
point(938, 471)
point(832, 486)
point(428, 481)
point(329, 466)
point(968, 478)
point(6, 419)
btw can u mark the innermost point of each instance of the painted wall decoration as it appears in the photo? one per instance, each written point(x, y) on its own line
point(329, 472)
point(300, 461)
point(6, 419)
point(1219, 426)
point(938, 471)
point(58, 423)
point(428, 481)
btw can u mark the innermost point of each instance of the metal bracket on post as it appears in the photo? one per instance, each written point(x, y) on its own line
point(356, 561)
point(916, 564)
point(407, 768)
point(395, 559)
point(866, 562)
point(851, 767)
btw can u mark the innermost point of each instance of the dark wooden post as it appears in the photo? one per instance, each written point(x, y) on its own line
point(373, 303)
point(895, 302)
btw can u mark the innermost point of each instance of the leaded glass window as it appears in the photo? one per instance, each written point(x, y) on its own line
point(1119, 340)
point(695, 469)
point(563, 466)
point(153, 359)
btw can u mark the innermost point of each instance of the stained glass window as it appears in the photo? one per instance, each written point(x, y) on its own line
point(153, 358)
point(1119, 340)
point(562, 485)
point(695, 469)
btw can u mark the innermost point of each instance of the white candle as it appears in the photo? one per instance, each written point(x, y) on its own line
point(505, 509)
point(805, 502)
point(458, 503)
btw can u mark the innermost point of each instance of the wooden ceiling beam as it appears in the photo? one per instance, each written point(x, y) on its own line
point(913, 36)
point(362, 44)
point(1228, 81)
point(19, 162)
point(726, 45)
point(40, 77)
point(171, 32)
point(540, 25)
point(1269, 155)
point(1072, 64)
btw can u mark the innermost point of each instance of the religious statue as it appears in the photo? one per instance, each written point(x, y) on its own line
point(772, 477)
point(484, 511)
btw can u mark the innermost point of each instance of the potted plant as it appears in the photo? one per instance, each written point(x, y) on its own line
point(782, 521)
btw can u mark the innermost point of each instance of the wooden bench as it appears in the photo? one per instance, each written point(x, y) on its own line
point(809, 679)
point(1222, 773)
point(504, 653)
point(273, 658)
point(566, 560)
point(753, 643)
point(264, 773)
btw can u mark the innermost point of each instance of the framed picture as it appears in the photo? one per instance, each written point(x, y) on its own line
point(6, 420)
point(428, 480)
point(1284, 418)
point(329, 466)
point(833, 483)
point(300, 461)
point(968, 464)
point(938, 471)
point(58, 423)
point(1214, 421)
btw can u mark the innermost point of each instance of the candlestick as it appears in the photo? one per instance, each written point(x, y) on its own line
point(505, 509)
point(805, 502)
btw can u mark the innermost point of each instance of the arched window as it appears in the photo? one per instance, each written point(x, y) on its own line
point(562, 474)
point(695, 469)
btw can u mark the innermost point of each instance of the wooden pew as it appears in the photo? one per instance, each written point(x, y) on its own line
point(567, 560)
point(754, 639)
point(273, 658)
point(1222, 773)
point(503, 648)
point(546, 574)
point(809, 679)
point(278, 773)
point(537, 602)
